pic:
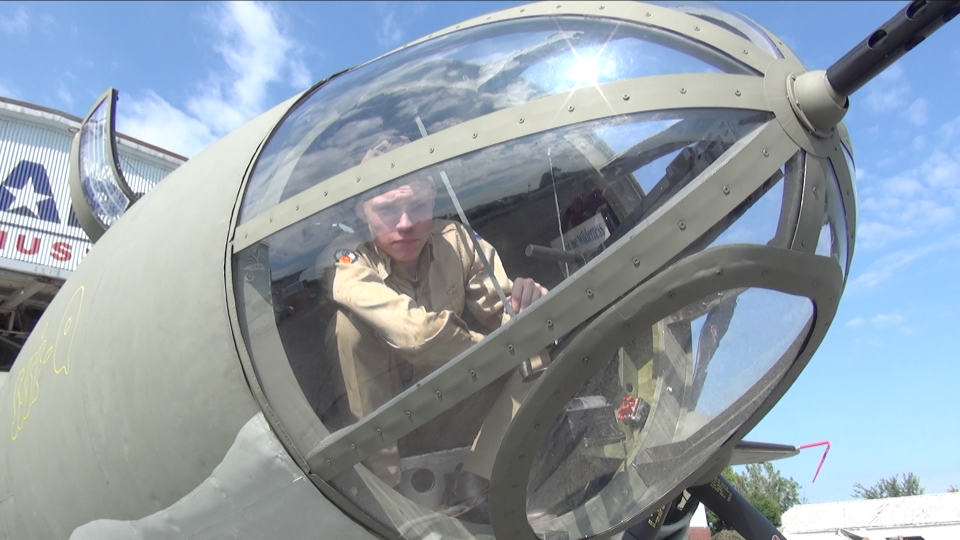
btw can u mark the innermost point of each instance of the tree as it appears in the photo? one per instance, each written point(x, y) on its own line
point(765, 488)
point(889, 487)
point(953, 489)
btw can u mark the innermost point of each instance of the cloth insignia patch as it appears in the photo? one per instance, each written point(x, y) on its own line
point(345, 256)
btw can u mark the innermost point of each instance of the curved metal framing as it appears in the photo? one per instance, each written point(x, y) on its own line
point(645, 94)
point(250, 371)
point(675, 21)
point(716, 270)
point(741, 170)
point(653, 243)
point(85, 215)
point(254, 378)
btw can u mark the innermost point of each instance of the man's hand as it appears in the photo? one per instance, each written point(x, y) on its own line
point(384, 146)
point(525, 292)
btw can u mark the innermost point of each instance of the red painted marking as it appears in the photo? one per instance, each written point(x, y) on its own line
point(33, 247)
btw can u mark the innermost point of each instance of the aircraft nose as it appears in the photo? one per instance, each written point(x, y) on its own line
point(692, 245)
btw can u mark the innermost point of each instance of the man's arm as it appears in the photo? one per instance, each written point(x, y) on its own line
point(482, 298)
point(480, 293)
point(420, 336)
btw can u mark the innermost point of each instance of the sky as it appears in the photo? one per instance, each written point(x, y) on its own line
point(884, 384)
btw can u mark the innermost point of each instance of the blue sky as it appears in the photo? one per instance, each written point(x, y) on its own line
point(883, 387)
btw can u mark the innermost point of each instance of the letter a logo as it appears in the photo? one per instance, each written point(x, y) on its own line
point(26, 191)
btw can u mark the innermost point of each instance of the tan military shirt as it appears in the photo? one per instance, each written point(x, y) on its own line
point(391, 329)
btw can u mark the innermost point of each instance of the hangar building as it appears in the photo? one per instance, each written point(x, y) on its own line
point(41, 241)
point(920, 517)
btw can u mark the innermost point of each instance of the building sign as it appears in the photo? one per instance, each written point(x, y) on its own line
point(39, 232)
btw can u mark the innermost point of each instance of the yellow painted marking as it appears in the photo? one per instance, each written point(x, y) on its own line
point(27, 385)
point(656, 517)
point(721, 489)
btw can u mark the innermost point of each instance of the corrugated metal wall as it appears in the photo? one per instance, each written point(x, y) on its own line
point(38, 231)
point(141, 176)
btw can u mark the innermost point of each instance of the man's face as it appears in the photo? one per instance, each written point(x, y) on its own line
point(400, 220)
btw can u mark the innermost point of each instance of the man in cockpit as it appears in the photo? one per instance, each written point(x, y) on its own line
point(403, 299)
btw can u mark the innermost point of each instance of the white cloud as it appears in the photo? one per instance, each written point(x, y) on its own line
point(917, 112)
point(6, 91)
point(862, 175)
point(888, 91)
point(856, 323)
point(916, 201)
point(887, 319)
point(950, 129)
point(389, 34)
point(18, 23)
point(884, 268)
point(883, 320)
point(919, 143)
point(154, 120)
point(65, 96)
point(47, 23)
point(256, 53)
point(392, 17)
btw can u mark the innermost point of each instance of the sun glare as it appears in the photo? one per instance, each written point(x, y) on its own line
point(585, 71)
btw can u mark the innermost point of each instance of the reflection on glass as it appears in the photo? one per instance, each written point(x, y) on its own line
point(765, 216)
point(833, 233)
point(758, 225)
point(454, 78)
point(729, 20)
point(100, 188)
point(442, 488)
point(140, 176)
point(660, 406)
point(371, 295)
point(539, 207)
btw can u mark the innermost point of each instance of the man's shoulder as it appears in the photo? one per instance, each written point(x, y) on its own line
point(449, 229)
point(347, 248)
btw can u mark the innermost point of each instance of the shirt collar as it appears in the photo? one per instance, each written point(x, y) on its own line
point(385, 262)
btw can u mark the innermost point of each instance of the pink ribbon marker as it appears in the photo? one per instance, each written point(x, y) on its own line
point(811, 445)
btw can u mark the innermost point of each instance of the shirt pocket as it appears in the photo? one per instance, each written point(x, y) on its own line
point(451, 298)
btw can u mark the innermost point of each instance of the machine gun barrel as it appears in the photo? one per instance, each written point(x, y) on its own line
point(893, 39)
point(734, 509)
point(552, 254)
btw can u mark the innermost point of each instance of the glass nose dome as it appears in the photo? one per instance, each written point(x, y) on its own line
point(530, 275)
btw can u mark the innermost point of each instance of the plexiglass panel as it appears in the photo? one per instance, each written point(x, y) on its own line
point(538, 208)
point(140, 176)
point(661, 405)
point(833, 234)
point(455, 78)
point(433, 480)
point(767, 216)
point(100, 188)
point(373, 294)
point(729, 20)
